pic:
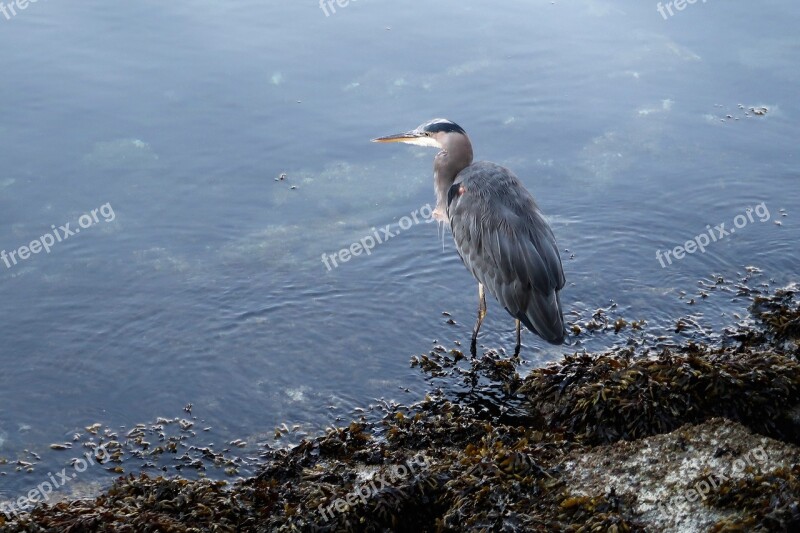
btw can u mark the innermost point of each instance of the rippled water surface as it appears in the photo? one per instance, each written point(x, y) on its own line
point(201, 280)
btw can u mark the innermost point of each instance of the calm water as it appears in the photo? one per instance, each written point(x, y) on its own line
point(206, 285)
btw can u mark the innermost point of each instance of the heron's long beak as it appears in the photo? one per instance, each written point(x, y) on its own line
point(399, 138)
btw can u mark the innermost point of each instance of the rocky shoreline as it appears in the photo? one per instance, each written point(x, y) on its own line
point(692, 437)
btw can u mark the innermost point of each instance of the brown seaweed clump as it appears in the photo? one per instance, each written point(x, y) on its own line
point(616, 396)
point(779, 313)
point(136, 504)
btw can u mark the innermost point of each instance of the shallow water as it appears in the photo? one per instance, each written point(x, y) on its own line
point(208, 286)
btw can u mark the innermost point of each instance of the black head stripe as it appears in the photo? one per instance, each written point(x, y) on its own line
point(445, 127)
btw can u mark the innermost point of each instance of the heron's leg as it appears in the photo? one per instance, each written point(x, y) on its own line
point(481, 316)
point(519, 338)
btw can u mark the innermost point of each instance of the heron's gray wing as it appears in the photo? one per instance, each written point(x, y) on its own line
point(508, 246)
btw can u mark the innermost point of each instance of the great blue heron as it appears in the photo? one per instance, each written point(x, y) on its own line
point(499, 231)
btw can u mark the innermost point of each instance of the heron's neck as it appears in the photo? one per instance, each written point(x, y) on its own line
point(456, 155)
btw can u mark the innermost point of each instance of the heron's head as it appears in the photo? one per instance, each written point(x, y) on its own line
point(435, 133)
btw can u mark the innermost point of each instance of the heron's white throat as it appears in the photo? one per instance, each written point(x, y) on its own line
point(423, 141)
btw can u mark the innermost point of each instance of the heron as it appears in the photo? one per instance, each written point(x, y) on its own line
point(499, 231)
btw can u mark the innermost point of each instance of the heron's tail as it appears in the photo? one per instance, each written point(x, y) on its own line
point(544, 317)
